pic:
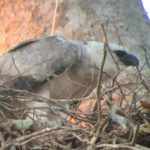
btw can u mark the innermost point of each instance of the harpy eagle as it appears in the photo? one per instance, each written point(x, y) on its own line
point(66, 67)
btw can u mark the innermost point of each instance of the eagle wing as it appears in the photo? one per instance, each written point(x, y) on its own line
point(32, 62)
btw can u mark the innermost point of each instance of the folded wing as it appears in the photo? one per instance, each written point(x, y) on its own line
point(32, 62)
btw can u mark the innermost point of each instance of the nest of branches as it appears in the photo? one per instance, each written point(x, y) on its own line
point(110, 118)
point(114, 116)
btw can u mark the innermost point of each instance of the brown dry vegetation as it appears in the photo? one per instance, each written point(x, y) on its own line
point(117, 118)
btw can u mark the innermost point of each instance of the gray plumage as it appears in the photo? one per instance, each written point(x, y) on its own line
point(66, 63)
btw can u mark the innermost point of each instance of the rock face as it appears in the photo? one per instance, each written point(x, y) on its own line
point(124, 22)
point(75, 19)
point(24, 19)
point(124, 17)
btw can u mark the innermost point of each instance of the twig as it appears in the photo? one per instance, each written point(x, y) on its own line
point(98, 90)
point(146, 57)
point(94, 138)
point(135, 133)
point(91, 83)
point(23, 138)
point(98, 87)
point(119, 39)
point(54, 17)
point(119, 146)
point(117, 73)
point(19, 74)
point(143, 82)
